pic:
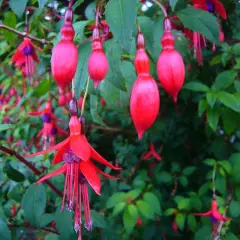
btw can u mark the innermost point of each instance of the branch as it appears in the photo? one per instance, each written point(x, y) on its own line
point(110, 129)
point(24, 34)
point(31, 166)
point(161, 7)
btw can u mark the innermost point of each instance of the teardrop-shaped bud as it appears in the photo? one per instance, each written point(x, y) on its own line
point(62, 100)
point(170, 65)
point(141, 61)
point(97, 62)
point(65, 55)
point(144, 103)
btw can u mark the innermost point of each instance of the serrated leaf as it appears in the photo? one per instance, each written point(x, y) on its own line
point(196, 86)
point(34, 203)
point(121, 17)
point(200, 21)
point(115, 199)
point(145, 209)
point(152, 200)
point(18, 7)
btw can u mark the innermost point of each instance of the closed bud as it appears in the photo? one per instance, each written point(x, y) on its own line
point(65, 54)
point(144, 103)
point(97, 63)
point(170, 65)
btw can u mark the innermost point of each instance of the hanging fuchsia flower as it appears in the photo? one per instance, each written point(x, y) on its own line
point(152, 153)
point(214, 214)
point(76, 153)
point(215, 6)
point(25, 56)
point(50, 128)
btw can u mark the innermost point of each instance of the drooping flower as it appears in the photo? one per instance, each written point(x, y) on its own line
point(24, 58)
point(145, 99)
point(152, 153)
point(76, 153)
point(216, 6)
point(214, 214)
point(97, 62)
point(65, 54)
point(50, 128)
point(170, 65)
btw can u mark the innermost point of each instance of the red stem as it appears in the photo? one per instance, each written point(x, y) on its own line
point(31, 166)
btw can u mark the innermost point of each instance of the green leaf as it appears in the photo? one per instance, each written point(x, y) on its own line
point(128, 221)
point(145, 209)
point(41, 3)
point(195, 202)
point(202, 107)
point(5, 233)
point(184, 204)
point(229, 100)
point(77, 4)
point(210, 162)
point(34, 203)
point(231, 236)
point(132, 209)
point(115, 199)
point(11, 21)
point(98, 220)
point(121, 17)
point(203, 233)
point(200, 21)
point(183, 181)
point(51, 236)
point(46, 219)
point(164, 177)
point(196, 87)
point(81, 75)
point(189, 170)
point(153, 201)
point(170, 211)
point(234, 209)
point(114, 74)
point(4, 127)
point(221, 184)
point(180, 220)
point(94, 102)
point(118, 208)
point(65, 229)
point(211, 98)
point(224, 80)
point(133, 194)
point(212, 118)
point(89, 11)
point(17, 6)
point(12, 173)
point(226, 165)
point(192, 223)
point(173, 3)
point(42, 88)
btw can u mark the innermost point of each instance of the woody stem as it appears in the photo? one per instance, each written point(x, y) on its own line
point(85, 96)
point(213, 178)
point(161, 7)
point(24, 34)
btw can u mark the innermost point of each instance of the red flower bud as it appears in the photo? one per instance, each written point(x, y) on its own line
point(65, 55)
point(97, 63)
point(68, 96)
point(170, 65)
point(139, 222)
point(144, 103)
point(62, 100)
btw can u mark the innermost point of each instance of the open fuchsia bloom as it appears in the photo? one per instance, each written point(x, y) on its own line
point(214, 214)
point(77, 154)
point(170, 65)
point(145, 99)
point(50, 128)
point(25, 56)
point(151, 153)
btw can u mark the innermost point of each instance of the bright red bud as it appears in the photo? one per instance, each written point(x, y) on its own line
point(65, 54)
point(170, 65)
point(97, 63)
point(62, 100)
point(145, 99)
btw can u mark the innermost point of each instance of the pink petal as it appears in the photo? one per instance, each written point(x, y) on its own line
point(60, 170)
point(90, 173)
point(61, 144)
point(80, 147)
point(59, 154)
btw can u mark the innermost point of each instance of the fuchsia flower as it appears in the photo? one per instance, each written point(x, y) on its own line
point(216, 6)
point(50, 128)
point(214, 214)
point(25, 56)
point(77, 154)
point(151, 154)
